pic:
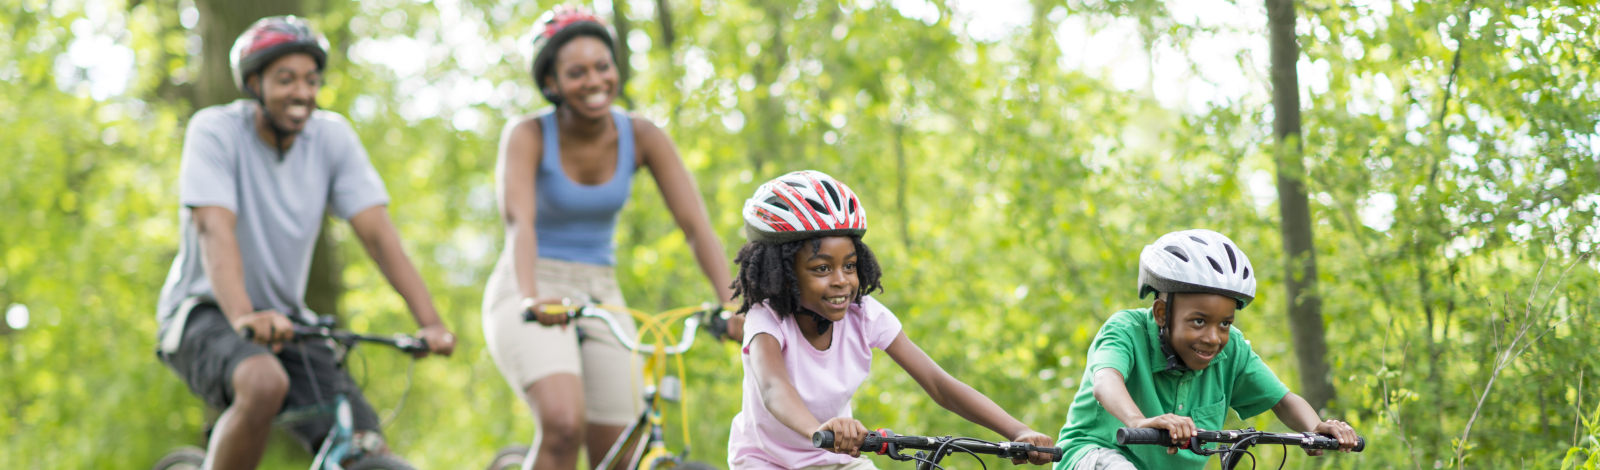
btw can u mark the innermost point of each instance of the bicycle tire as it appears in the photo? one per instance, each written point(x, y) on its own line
point(182, 458)
point(509, 458)
point(380, 462)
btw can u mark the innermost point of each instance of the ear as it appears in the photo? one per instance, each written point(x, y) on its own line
point(1158, 309)
point(253, 82)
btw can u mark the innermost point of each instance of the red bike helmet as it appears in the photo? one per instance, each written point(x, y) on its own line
point(270, 38)
point(556, 28)
point(802, 205)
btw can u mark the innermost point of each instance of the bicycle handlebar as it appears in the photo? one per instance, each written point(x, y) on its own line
point(883, 441)
point(406, 343)
point(690, 324)
point(1308, 440)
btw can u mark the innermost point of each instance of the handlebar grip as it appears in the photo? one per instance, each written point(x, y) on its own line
point(822, 439)
point(248, 333)
point(1143, 436)
point(1361, 444)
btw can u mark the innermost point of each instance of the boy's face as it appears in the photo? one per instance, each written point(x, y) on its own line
point(827, 278)
point(1198, 325)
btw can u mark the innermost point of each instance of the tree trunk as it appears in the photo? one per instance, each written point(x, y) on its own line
point(221, 22)
point(619, 18)
point(1304, 304)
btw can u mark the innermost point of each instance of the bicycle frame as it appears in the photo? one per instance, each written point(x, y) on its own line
point(643, 441)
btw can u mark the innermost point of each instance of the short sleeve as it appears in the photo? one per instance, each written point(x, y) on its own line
point(760, 319)
point(1113, 346)
point(208, 174)
point(882, 327)
point(1255, 388)
point(356, 185)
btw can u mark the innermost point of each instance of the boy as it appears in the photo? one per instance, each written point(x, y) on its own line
point(1179, 365)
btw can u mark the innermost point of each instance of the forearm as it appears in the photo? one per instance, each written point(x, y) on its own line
point(1112, 393)
point(397, 268)
point(525, 257)
point(1296, 413)
point(713, 262)
point(224, 267)
point(966, 402)
point(785, 404)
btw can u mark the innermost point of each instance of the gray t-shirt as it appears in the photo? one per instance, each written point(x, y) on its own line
point(279, 205)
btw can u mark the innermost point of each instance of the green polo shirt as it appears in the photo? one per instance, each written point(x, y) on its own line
point(1128, 343)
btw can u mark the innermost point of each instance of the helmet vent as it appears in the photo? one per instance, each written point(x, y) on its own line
point(1198, 240)
point(1246, 273)
point(852, 205)
point(1231, 261)
point(1214, 265)
point(776, 203)
point(1178, 252)
point(817, 206)
point(832, 194)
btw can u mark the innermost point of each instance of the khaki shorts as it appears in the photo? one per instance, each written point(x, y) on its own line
point(526, 352)
point(860, 463)
point(1104, 459)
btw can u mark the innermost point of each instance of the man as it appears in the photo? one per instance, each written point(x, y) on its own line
point(256, 178)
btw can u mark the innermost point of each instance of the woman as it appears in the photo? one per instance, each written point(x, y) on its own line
point(563, 175)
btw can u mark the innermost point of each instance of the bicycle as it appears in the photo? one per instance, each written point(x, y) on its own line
point(886, 442)
point(1241, 440)
point(340, 444)
point(645, 434)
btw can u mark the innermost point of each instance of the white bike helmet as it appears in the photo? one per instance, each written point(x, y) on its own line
point(801, 205)
point(1196, 261)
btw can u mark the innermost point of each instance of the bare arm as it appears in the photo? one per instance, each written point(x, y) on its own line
point(783, 400)
point(962, 399)
point(1111, 390)
point(950, 393)
point(382, 241)
point(219, 253)
point(1296, 413)
point(688, 209)
point(521, 149)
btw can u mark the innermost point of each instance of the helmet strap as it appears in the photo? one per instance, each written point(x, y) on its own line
point(822, 322)
point(1174, 363)
point(278, 133)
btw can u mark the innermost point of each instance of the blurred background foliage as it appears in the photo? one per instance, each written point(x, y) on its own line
point(1013, 163)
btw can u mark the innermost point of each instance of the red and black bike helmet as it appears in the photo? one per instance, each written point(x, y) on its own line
point(270, 38)
point(558, 27)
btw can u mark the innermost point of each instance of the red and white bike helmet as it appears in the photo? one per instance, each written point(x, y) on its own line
point(801, 205)
point(270, 38)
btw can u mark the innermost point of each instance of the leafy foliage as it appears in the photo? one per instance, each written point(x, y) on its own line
point(1008, 196)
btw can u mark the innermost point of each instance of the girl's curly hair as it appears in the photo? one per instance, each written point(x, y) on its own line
point(766, 274)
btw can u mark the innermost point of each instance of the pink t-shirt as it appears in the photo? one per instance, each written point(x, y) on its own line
point(825, 379)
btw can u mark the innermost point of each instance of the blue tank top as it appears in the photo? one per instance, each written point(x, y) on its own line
point(576, 221)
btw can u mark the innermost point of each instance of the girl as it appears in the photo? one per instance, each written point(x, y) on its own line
point(811, 328)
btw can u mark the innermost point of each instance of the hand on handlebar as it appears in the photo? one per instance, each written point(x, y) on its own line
point(1340, 430)
point(267, 327)
point(848, 434)
point(1038, 440)
point(1181, 428)
point(552, 311)
point(439, 340)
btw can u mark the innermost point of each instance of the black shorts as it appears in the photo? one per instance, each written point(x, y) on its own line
point(210, 350)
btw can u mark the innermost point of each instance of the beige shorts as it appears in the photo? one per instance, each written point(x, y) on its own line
point(526, 352)
point(1104, 459)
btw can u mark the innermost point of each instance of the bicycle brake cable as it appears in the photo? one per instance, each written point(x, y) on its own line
point(406, 392)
